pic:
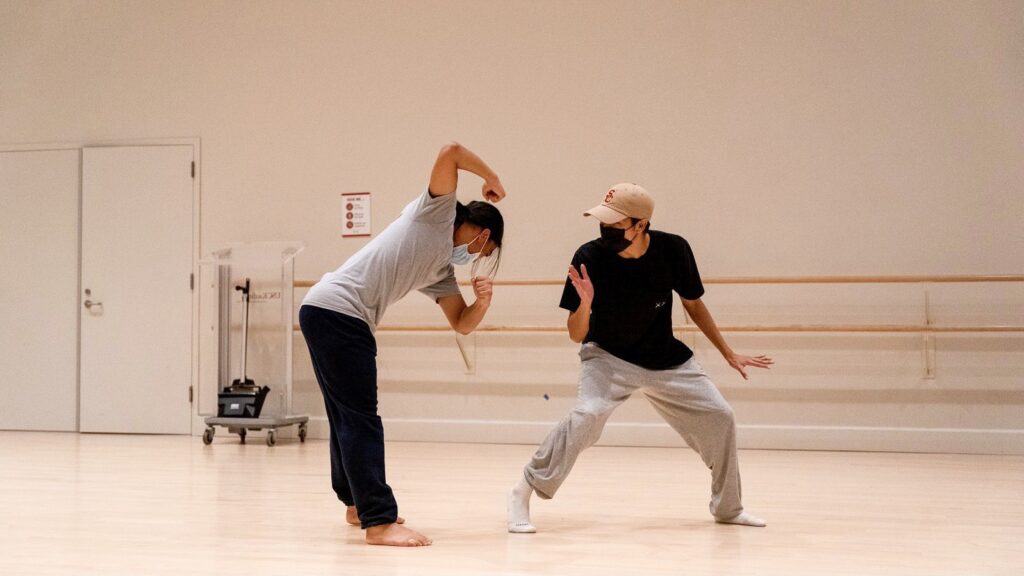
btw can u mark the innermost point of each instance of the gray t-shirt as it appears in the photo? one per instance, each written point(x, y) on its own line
point(413, 253)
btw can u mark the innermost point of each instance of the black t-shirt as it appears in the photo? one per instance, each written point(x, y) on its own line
point(631, 316)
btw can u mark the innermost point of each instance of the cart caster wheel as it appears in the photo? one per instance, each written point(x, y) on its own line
point(241, 435)
point(208, 436)
point(271, 438)
point(302, 433)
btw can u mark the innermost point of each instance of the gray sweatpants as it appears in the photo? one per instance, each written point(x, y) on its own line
point(684, 396)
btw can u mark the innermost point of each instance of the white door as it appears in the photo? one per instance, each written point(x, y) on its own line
point(39, 290)
point(136, 313)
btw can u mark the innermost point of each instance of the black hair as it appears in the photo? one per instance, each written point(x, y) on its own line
point(484, 215)
point(633, 221)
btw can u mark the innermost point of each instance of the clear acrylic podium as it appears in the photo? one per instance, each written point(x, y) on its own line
point(259, 349)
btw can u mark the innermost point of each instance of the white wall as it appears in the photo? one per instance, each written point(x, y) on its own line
point(779, 137)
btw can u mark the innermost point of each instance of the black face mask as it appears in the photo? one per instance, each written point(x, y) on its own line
point(614, 239)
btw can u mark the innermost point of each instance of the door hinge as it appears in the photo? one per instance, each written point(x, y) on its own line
point(189, 394)
point(193, 169)
point(192, 281)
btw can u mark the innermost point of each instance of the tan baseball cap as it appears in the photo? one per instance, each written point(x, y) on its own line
point(624, 200)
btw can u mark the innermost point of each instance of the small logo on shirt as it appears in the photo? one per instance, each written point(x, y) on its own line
point(660, 304)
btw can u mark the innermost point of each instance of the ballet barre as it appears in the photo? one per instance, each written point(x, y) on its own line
point(927, 329)
point(903, 279)
point(882, 328)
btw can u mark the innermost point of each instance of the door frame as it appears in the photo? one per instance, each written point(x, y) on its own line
point(196, 424)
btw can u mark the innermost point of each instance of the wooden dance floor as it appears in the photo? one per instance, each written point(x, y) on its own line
point(111, 504)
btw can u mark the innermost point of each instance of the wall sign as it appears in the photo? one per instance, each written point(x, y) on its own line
point(355, 214)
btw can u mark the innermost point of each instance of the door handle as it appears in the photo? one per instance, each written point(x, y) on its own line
point(89, 304)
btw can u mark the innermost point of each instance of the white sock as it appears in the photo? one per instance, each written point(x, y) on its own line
point(519, 508)
point(744, 519)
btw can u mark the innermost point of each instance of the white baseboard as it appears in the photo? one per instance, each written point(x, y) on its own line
point(854, 438)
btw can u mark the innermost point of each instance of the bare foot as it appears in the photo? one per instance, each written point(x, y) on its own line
point(352, 517)
point(395, 535)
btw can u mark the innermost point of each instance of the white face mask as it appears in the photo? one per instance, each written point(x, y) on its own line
point(461, 255)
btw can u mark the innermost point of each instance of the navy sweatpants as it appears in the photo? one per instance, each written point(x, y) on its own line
point(344, 354)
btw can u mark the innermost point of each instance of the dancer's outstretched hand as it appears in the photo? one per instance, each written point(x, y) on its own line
point(581, 280)
point(739, 362)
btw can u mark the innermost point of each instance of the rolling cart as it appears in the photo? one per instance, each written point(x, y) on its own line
point(263, 274)
point(241, 425)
